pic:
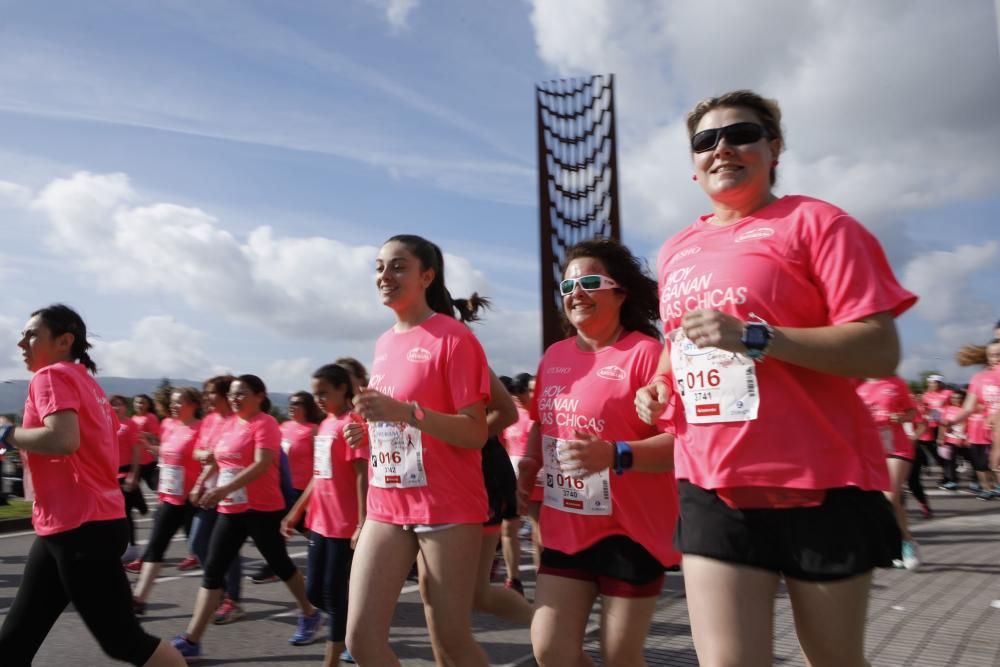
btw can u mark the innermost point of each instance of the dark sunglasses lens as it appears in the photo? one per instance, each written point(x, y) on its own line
point(590, 282)
point(705, 140)
point(566, 286)
point(741, 134)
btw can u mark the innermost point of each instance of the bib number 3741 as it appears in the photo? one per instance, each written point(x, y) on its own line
point(714, 385)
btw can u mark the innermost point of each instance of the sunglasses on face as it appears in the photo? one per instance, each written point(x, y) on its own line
point(588, 283)
point(295, 404)
point(737, 134)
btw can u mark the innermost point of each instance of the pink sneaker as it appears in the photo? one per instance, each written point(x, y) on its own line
point(135, 566)
point(228, 612)
point(189, 563)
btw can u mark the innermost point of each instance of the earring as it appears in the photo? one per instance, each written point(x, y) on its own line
point(774, 164)
point(694, 177)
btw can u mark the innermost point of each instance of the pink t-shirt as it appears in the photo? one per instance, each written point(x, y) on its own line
point(441, 365)
point(234, 452)
point(885, 397)
point(297, 441)
point(595, 392)
point(954, 434)
point(83, 486)
point(333, 505)
point(978, 430)
point(515, 436)
point(177, 443)
point(933, 401)
point(798, 262)
point(147, 423)
point(128, 436)
point(985, 386)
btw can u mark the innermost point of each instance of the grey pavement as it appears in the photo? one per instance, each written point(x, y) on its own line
point(938, 616)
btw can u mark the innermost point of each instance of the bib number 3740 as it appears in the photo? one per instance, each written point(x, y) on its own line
point(714, 385)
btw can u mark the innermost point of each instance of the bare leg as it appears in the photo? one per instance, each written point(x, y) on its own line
point(624, 627)
point(382, 560)
point(899, 472)
point(331, 657)
point(536, 534)
point(147, 577)
point(830, 620)
point(204, 606)
point(297, 585)
point(165, 655)
point(732, 612)
point(562, 607)
point(511, 544)
point(495, 599)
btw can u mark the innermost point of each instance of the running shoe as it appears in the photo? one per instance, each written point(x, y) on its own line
point(975, 487)
point(228, 612)
point(926, 511)
point(264, 575)
point(985, 495)
point(948, 486)
point(514, 585)
point(308, 627)
point(346, 656)
point(135, 566)
point(188, 649)
point(911, 556)
point(996, 489)
point(190, 562)
point(131, 553)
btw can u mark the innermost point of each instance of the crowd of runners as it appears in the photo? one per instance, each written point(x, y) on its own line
point(736, 416)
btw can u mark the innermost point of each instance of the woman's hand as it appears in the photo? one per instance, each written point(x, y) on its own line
point(131, 484)
point(355, 434)
point(585, 455)
point(651, 400)
point(711, 328)
point(213, 497)
point(288, 525)
point(195, 495)
point(355, 536)
point(527, 471)
point(375, 406)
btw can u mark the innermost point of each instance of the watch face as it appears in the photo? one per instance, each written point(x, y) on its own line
point(756, 336)
point(626, 460)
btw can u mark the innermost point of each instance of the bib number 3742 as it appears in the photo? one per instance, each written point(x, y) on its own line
point(397, 455)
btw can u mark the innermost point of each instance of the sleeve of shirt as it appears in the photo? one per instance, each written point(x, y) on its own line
point(851, 269)
point(267, 435)
point(50, 392)
point(533, 408)
point(467, 374)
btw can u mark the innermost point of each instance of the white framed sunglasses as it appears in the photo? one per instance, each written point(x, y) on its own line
point(590, 283)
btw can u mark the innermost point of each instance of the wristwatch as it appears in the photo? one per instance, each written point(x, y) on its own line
point(417, 415)
point(623, 457)
point(757, 337)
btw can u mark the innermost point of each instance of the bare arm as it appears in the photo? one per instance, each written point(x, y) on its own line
point(467, 429)
point(59, 436)
point(589, 454)
point(263, 459)
point(294, 514)
point(500, 411)
point(361, 480)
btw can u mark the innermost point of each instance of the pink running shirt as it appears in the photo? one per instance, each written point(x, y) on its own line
point(235, 452)
point(82, 487)
point(885, 397)
point(297, 441)
point(515, 436)
point(441, 365)
point(798, 262)
point(933, 401)
point(955, 434)
point(985, 386)
point(977, 430)
point(147, 423)
point(128, 435)
point(177, 442)
point(333, 505)
point(594, 392)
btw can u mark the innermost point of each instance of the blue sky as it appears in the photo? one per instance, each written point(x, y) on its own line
point(208, 182)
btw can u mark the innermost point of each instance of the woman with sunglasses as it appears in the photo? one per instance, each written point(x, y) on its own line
point(610, 500)
point(178, 473)
point(425, 409)
point(250, 504)
point(772, 307)
point(69, 447)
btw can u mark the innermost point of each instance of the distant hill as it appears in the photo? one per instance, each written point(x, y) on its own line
point(13, 392)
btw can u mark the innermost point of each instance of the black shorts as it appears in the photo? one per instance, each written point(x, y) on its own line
point(979, 456)
point(852, 532)
point(500, 481)
point(620, 566)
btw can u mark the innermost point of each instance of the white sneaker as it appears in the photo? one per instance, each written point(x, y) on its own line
point(911, 556)
point(131, 553)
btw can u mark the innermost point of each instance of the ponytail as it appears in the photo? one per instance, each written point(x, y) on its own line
point(438, 297)
point(61, 319)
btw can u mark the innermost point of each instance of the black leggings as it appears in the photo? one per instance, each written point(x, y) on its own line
point(82, 566)
point(329, 574)
point(915, 483)
point(231, 531)
point(169, 518)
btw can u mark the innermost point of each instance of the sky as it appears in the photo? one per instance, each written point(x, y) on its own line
point(208, 183)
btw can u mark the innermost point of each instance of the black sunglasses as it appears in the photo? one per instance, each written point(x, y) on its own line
point(737, 134)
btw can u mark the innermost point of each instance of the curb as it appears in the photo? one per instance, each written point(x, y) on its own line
point(14, 525)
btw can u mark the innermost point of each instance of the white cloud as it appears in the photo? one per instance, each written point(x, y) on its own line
point(159, 346)
point(397, 12)
point(315, 288)
point(289, 375)
point(14, 195)
point(888, 110)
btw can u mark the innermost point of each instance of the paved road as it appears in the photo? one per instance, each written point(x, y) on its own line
point(939, 616)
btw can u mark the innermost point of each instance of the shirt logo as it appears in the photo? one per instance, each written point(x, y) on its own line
point(380, 358)
point(418, 355)
point(687, 252)
point(557, 370)
point(612, 373)
point(752, 234)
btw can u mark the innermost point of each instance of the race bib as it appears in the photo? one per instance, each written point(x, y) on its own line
point(397, 455)
point(171, 480)
point(322, 465)
point(589, 495)
point(539, 479)
point(286, 445)
point(714, 385)
point(237, 497)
